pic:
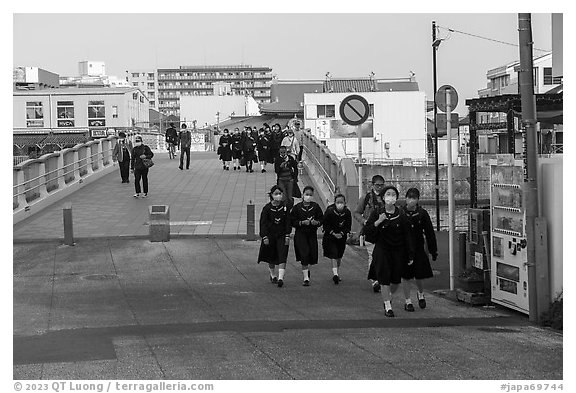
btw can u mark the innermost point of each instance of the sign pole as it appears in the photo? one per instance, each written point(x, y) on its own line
point(450, 189)
point(360, 169)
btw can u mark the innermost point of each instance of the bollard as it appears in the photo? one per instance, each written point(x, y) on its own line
point(462, 250)
point(68, 228)
point(159, 223)
point(250, 222)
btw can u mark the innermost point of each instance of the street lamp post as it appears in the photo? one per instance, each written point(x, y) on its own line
point(435, 45)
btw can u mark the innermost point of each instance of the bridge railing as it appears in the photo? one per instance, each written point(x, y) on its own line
point(41, 181)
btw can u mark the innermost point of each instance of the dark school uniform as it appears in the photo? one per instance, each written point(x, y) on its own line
point(224, 148)
point(275, 142)
point(263, 145)
point(393, 247)
point(237, 145)
point(420, 227)
point(336, 222)
point(274, 226)
point(305, 240)
point(249, 149)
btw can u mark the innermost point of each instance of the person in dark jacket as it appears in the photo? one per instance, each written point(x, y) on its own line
point(263, 145)
point(172, 140)
point(185, 140)
point(337, 224)
point(373, 200)
point(286, 168)
point(249, 151)
point(420, 228)
point(121, 154)
point(139, 152)
point(224, 150)
point(394, 248)
point(306, 217)
point(237, 145)
point(276, 140)
point(275, 231)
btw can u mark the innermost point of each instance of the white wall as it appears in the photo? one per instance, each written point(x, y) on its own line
point(399, 120)
point(203, 108)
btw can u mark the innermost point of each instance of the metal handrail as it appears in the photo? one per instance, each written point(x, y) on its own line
point(325, 174)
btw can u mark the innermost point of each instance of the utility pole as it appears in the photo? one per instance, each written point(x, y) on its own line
point(434, 49)
point(528, 100)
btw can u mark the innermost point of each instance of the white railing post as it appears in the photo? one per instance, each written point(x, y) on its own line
point(21, 188)
point(76, 165)
point(89, 159)
point(42, 184)
point(99, 156)
point(61, 171)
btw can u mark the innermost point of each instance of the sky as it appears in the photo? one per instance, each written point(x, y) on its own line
point(294, 45)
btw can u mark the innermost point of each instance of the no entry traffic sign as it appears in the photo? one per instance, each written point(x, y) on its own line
point(354, 110)
point(440, 97)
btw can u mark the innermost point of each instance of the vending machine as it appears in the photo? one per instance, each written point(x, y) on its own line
point(509, 269)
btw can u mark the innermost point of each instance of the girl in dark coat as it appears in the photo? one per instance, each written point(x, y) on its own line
point(249, 151)
point(393, 249)
point(276, 141)
point(275, 233)
point(420, 228)
point(237, 145)
point(224, 149)
point(139, 152)
point(306, 217)
point(337, 225)
point(263, 145)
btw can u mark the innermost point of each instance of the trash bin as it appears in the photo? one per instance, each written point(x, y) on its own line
point(159, 223)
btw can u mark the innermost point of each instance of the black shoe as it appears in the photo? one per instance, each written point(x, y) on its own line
point(263, 170)
point(273, 280)
point(389, 313)
point(409, 307)
point(251, 170)
point(422, 303)
point(376, 287)
point(306, 283)
point(180, 168)
point(224, 168)
point(280, 283)
point(336, 279)
point(234, 168)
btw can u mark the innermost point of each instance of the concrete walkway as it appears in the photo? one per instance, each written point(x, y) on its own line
point(205, 193)
point(203, 309)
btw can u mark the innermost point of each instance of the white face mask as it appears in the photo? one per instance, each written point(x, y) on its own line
point(340, 206)
point(390, 200)
point(307, 198)
point(277, 197)
point(137, 143)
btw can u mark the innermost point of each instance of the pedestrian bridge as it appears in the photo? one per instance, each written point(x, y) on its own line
point(204, 200)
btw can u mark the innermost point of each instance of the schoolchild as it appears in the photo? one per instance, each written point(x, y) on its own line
point(394, 248)
point(276, 140)
point(224, 149)
point(337, 225)
point(249, 151)
point(420, 228)
point(263, 144)
point(275, 231)
point(237, 145)
point(306, 217)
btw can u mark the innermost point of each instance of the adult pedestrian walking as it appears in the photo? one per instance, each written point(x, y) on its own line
point(121, 154)
point(420, 227)
point(224, 150)
point(291, 143)
point(306, 217)
point(185, 140)
point(172, 140)
point(140, 153)
point(286, 168)
point(337, 224)
point(263, 145)
point(237, 145)
point(372, 201)
point(393, 250)
point(275, 233)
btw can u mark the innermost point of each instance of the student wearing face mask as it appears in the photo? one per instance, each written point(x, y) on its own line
point(393, 250)
point(306, 217)
point(263, 143)
point(420, 228)
point(237, 145)
point(337, 225)
point(224, 149)
point(275, 231)
point(291, 143)
point(286, 168)
point(139, 152)
point(276, 140)
point(121, 154)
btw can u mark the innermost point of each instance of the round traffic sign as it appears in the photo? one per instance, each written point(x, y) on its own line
point(440, 98)
point(354, 110)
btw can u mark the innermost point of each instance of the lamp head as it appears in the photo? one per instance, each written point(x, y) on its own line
point(436, 42)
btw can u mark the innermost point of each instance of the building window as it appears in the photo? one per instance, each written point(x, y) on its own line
point(115, 111)
point(151, 75)
point(34, 114)
point(534, 77)
point(326, 111)
point(65, 113)
point(96, 114)
point(150, 94)
point(150, 85)
point(548, 80)
point(153, 103)
point(135, 75)
point(135, 84)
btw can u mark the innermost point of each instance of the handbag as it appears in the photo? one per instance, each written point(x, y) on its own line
point(147, 162)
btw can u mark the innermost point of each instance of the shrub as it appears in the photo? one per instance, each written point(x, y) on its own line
point(553, 317)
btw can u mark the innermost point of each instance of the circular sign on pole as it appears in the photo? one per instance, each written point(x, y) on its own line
point(440, 97)
point(354, 110)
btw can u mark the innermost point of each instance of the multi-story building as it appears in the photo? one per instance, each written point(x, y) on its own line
point(172, 83)
point(30, 78)
point(92, 74)
point(147, 82)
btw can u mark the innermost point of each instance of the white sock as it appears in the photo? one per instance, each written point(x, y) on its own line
point(420, 295)
point(305, 274)
point(272, 271)
point(388, 305)
point(335, 271)
point(408, 301)
point(281, 273)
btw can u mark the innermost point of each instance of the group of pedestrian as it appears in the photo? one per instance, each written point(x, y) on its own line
point(131, 157)
point(278, 218)
point(251, 145)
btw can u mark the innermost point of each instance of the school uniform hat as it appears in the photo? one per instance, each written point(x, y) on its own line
point(413, 193)
point(391, 188)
